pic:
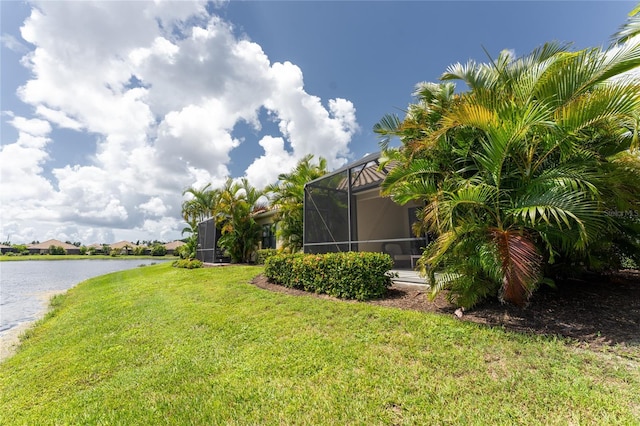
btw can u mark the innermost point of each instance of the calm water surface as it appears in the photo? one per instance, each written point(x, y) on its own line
point(26, 286)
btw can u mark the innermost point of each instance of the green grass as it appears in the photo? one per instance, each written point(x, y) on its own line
point(160, 345)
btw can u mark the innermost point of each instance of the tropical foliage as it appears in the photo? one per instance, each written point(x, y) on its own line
point(201, 204)
point(631, 28)
point(287, 196)
point(532, 168)
point(238, 203)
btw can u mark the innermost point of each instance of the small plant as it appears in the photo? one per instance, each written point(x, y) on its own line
point(187, 263)
point(158, 250)
point(57, 250)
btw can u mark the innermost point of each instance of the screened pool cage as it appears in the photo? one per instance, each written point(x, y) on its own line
point(207, 250)
point(343, 211)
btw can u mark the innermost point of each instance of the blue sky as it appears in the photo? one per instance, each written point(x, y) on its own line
point(111, 109)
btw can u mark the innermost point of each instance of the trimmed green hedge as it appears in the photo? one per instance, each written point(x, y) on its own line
point(263, 254)
point(350, 275)
point(187, 263)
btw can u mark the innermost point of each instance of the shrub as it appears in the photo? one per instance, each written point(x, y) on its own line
point(349, 275)
point(139, 250)
point(187, 263)
point(158, 250)
point(263, 254)
point(57, 250)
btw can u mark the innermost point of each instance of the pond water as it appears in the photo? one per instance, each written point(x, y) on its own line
point(26, 286)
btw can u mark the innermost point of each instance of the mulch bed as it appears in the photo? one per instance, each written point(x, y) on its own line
point(595, 313)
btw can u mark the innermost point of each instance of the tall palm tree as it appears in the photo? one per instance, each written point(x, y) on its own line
point(240, 233)
point(287, 195)
point(518, 172)
point(201, 205)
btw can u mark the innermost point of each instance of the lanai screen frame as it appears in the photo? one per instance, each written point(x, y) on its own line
point(207, 250)
point(331, 217)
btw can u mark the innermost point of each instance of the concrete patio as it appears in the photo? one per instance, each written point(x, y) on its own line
point(408, 277)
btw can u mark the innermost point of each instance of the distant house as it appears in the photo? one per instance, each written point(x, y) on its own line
point(172, 246)
point(124, 247)
point(6, 249)
point(96, 248)
point(43, 248)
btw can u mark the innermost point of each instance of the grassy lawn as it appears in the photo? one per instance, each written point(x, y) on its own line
point(159, 345)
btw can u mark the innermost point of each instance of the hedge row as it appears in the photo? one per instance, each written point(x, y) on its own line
point(263, 254)
point(349, 275)
point(187, 263)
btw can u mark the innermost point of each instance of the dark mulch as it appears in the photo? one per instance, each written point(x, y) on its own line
point(599, 312)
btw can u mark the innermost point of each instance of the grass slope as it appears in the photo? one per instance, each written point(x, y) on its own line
point(159, 345)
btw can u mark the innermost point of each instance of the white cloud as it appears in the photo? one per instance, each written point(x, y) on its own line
point(12, 43)
point(21, 167)
point(160, 87)
point(154, 207)
point(58, 117)
point(34, 127)
point(265, 169)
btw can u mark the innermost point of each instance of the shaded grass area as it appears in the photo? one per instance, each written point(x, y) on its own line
point(160, 345)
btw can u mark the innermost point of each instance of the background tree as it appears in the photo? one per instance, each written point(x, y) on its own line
point(189, 249)
point(201, 205)
point(240, 233)
point(518, 172)
point(287, 195)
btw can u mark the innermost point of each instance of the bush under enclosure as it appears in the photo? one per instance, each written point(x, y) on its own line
point(351, 275)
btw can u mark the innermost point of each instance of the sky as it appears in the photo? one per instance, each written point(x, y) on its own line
point(109, 110)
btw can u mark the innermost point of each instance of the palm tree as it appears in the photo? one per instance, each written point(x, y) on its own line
point(201, 205)
point(240, 233)
point(518, 172)
point(189, 250)
point(287, 195)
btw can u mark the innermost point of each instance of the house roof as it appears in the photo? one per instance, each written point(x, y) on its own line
point(365, 173)
point(266, 212)
point(46, 244)
point(122, 244)
point(174, 245)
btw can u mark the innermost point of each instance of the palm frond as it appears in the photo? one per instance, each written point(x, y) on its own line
point(603, 104)
point(386, 128)
point(629, 29)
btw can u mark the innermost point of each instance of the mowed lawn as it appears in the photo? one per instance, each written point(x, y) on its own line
point(160, 345)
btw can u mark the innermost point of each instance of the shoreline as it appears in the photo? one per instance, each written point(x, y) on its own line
point(10, 339)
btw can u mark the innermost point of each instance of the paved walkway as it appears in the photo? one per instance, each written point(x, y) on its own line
point(409, 277)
